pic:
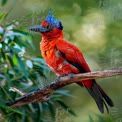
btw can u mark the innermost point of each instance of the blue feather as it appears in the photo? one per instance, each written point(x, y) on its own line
point(53, 21)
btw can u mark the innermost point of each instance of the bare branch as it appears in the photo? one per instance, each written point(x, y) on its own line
point(43, 93)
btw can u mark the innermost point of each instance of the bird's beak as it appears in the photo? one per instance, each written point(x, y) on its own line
point(40, 28)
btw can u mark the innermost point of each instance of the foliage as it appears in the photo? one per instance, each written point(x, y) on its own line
point(19, 69)
point(102, 119)
point(3, 2)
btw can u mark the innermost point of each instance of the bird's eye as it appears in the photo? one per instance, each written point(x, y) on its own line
point(48, 26)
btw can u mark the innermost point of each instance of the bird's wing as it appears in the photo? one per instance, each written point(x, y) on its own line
point(73, 55)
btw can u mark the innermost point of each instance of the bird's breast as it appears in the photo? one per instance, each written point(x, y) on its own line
point(53, 58)
point(56, 61)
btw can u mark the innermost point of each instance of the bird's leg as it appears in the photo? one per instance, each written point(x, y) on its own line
point(57, 78)
point(71, 75)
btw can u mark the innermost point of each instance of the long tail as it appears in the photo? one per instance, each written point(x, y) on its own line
point(100, 97)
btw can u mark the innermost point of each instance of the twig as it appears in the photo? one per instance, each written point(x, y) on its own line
point(17, 91)
point(43, 93)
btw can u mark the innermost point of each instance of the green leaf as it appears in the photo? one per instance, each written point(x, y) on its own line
point(31, 107)
point(15, 60)
point(19, 42)
point(40, 107)
point(39, 68)
point(22, 66)
point(11, 109)
point(91, 119)
point(36, 76)
point(52, 110)
point(63, 92)
point(4, 2)
point(38, 60)
point(101, 119)
point(10, 58)
point(25, 35)
point(15, 50)
point(3, 54)
point(3, 76)
point(3, 16)
point(66, 107)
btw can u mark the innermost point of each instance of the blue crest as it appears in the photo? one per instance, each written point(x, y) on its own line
point(53, 21)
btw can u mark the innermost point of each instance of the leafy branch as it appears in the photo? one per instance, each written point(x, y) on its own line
point(42, 94)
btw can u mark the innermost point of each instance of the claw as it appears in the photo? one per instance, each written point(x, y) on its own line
point(57, 78)
point(71, 75)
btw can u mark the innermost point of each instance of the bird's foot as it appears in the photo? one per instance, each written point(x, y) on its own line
point(57, 78)
point(71, 75)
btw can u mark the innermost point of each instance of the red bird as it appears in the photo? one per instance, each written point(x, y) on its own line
point(64, 58)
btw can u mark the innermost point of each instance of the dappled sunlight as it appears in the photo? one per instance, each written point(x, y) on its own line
point(91, 31)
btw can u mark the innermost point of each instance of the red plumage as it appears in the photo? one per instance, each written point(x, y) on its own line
point(65, 58)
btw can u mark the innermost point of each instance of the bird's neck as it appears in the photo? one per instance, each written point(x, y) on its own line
point(49, 40)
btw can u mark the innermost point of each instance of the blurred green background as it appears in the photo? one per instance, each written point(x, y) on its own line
point(96, 28)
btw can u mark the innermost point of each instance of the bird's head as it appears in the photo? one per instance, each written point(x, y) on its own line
point(50, 25)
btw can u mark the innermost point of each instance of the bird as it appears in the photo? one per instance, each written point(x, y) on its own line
point(64, 58)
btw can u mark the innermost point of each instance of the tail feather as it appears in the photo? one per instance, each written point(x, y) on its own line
point(100, 97)
point(95, 93)
point(105, 96)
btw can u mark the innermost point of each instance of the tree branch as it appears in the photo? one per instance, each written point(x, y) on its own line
point(42, 94)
